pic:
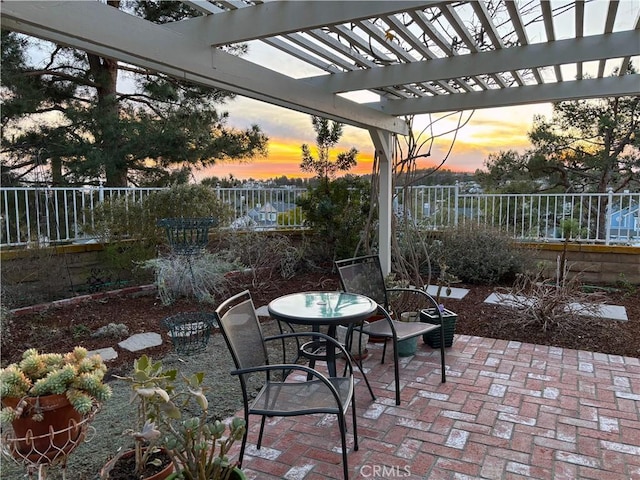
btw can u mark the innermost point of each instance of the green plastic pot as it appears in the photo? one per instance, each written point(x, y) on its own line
point(449, 320)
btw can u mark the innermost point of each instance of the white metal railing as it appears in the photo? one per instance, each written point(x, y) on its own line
point(602, 218)
point(56, 215)
point(44, 216)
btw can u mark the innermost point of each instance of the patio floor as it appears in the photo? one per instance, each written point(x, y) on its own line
point(508, 410)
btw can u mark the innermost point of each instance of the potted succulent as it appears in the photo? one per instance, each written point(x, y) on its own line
point(196, 445)
point(46, 397)
point(449, 318)
point(151, 388)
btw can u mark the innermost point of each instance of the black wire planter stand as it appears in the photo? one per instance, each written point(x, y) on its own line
point(188, 238)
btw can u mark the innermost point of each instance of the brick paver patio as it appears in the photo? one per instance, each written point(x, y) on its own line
point(509, 410)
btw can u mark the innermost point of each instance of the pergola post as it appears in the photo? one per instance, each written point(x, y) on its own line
point(382, 142)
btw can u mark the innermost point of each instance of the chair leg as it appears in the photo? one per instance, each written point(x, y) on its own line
point(343, 438)
point(384, 349)
point(349, 343)
point(444, 375)
point(262, 420)
point(355, 425)
point(243, 446)
point(396, 361)
point(364, 375)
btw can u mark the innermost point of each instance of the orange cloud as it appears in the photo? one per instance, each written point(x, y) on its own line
point(284, 158)
point(488, 131)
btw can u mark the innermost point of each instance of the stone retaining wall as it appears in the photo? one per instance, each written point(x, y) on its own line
point(598, 264)
point(46, 274)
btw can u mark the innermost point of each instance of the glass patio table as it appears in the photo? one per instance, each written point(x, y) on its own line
point(322, 309)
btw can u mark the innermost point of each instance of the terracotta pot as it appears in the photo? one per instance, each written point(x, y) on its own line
point(127, 457)
point(55, 436)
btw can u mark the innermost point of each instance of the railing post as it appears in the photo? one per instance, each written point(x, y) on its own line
point(101, 192)
point(607, 219)
point(456, 193)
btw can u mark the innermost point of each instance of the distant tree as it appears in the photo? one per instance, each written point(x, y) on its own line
point(224, 182)
point(586, 146)
point(328, 134)
point(508, 172)
point(335, 207)
point(87, 118)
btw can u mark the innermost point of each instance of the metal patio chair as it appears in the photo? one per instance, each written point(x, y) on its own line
point(364, 275)
point(280, 395)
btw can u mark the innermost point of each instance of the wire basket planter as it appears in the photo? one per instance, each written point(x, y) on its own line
point(190, 331)
point(187, 236)
point(37, 452)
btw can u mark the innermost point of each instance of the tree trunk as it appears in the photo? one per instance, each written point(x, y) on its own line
point(104, 72)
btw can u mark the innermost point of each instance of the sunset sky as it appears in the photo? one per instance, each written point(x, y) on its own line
point(488, 131)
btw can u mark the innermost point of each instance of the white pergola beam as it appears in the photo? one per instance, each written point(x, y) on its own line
point(627, 85)
point(279, 18)
point(526, 57)
point(107, 31)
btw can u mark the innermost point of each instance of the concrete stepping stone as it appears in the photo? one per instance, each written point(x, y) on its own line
point(607, 312)
point(263, 311)
point(140, 341)
point(106, 354)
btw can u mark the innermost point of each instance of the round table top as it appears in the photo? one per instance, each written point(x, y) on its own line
point(325, 308)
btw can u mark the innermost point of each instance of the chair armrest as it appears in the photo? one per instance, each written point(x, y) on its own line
point(293, 366)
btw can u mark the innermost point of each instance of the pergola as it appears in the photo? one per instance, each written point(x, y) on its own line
point(415, 57)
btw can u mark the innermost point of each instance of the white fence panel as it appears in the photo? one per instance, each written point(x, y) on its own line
point(45, 216)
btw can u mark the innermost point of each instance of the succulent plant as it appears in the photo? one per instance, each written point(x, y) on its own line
point(196, 444)
point(76, 375)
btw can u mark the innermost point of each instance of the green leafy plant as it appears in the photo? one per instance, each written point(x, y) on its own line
point(481, 255)
point(196, 444)
point(151, 390)
point(123, 218)
point(75, 374)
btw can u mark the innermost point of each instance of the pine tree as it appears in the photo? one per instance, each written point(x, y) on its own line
point(88, 119)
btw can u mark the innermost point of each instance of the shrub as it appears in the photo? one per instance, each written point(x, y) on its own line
point(201, 276)
point(337, 210)
point(265, 254)
point(548, 305)
point(478, 254)
point(123, 218)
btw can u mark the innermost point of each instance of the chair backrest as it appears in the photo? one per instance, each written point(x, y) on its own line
point(363, 275)
point(242, 331)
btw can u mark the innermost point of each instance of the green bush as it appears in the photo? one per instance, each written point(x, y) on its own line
point(337, 210)
point(482, 255)
point(122, 218)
